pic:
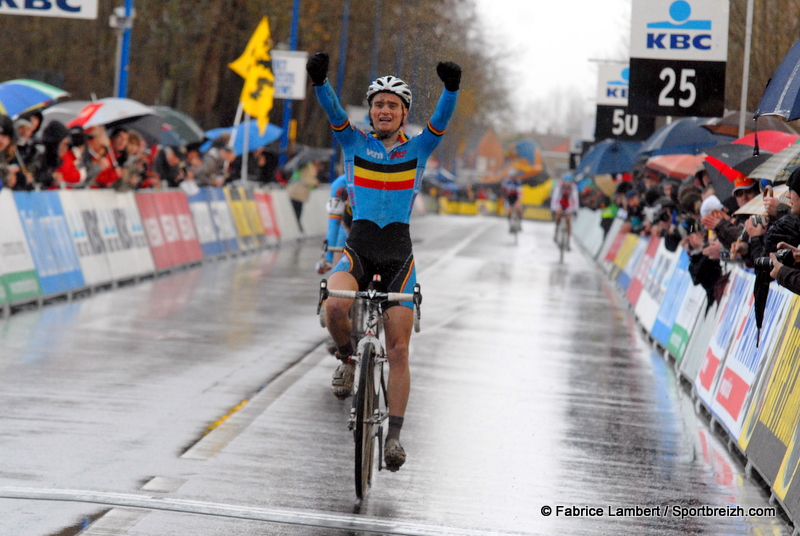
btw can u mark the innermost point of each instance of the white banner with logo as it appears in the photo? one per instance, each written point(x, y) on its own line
point(70, 9)
point(289, 68)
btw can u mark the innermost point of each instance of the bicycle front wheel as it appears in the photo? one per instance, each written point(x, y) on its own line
point(364, 432)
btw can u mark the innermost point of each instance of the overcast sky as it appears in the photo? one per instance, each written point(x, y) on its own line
point(554, 41)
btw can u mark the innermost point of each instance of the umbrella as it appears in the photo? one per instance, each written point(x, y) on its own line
point(609, 156)
point(782, 96)
point(728, 124)
point(183, 124)
point(17, 96)
point(63, 112)
point(255, 141)
point(778, 168)
point(733, 161)
point(152, 128)
point(678, 166)
point(771, 140)
point(109, 110)
point(725, 163)
point(308, 154)
point(756, 205)
point(683, 136)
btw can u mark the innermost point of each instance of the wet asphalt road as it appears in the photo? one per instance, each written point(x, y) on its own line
point(531, 388)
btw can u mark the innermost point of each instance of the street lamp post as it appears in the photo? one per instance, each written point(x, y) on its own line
point(122, 22)
point(287, 103)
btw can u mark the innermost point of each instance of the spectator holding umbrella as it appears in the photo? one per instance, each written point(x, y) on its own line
point(101, 166)
point(72, 171)
point(212, 171)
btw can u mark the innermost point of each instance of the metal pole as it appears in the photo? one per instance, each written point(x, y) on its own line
point(125, 51)
point(748, 36)
point(340, 78)
point(287, 103)
point(376, 40)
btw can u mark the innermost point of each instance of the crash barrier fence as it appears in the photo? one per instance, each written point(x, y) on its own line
point(747, 383)
point(534, 204)
point(61, 242)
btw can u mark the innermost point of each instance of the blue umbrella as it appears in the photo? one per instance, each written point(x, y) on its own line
point(683, 136)
point(609, 156)
point(782, 96)
point(17, 96)
point(255, 141)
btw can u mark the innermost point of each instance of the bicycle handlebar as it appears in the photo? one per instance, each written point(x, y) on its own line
point(371, 295)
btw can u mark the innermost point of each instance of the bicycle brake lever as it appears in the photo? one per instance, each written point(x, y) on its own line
point(323, 293)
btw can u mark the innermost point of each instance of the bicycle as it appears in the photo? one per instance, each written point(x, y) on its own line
point(369, 407)
point(562, 240)
point(514, 225)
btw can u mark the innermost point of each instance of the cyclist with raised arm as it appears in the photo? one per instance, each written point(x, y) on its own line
point(512, 194)
point(384, 171)
point(340, 216)
point(564, 203)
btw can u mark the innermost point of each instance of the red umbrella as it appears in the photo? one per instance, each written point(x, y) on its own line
point(769, 140)
point(678, 166)
point(733, 161)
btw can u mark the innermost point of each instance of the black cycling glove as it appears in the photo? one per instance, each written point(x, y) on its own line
point(450, 74)
point(317, 68)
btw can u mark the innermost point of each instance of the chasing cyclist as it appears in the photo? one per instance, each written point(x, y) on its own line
point(564, 203)
point(512, 193)
point(340, 216)
point(384, 172)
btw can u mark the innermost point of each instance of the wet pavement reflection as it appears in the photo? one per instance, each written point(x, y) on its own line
point(169, 402)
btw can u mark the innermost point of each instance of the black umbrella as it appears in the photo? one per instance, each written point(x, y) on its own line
point(725, 163)
point(149, 126)
point(782, 95)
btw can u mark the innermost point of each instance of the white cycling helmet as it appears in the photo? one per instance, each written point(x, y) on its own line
point(390, 84)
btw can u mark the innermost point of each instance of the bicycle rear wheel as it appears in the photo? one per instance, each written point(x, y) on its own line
point(364, 431)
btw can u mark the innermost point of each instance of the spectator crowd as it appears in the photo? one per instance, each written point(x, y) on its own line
point(55, 157)
point(689, 214)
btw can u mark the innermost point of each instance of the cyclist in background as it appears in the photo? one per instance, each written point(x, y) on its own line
point(384, 172)
point(340, 216)
point(564, 203)
point(512, 193)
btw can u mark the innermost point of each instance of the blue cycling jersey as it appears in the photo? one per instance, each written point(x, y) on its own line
point(337, 233)
point(383, 183)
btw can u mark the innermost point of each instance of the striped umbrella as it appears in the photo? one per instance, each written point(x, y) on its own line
point(18, 96)
point(778, 168)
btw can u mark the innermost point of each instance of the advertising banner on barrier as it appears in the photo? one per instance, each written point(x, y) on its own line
point(131, 230)
point(266, 212)
point(119, 244)
point(733, 306)
point(223, 221)
point(251, 211)
point(49, 240)
point(699, 340)
point(206, 230)
point(628, 259)
point(608, 242)
point(674, 298)
point(656, 283)
point(745, 360)
point(163, 254)
point(642, 268)
point(773, 416)
point(243, 231)
point(18, 279)
point(179, 206)
point(84, 227)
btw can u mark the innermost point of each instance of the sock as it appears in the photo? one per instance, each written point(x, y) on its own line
point(395, 424)
point(345, 352)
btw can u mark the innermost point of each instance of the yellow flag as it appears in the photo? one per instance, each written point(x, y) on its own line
point(255, 66)
point(256, 43)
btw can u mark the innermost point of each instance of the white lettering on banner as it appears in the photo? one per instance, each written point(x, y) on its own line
point(202, 220)
point(23, 286)
point(726, 322)
point(725, 388)
point(374, 154)
point(266, 218)
point(171, 233)
point(153, 232)
point(219, 211)
point(187, 227)
point(74, 9)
